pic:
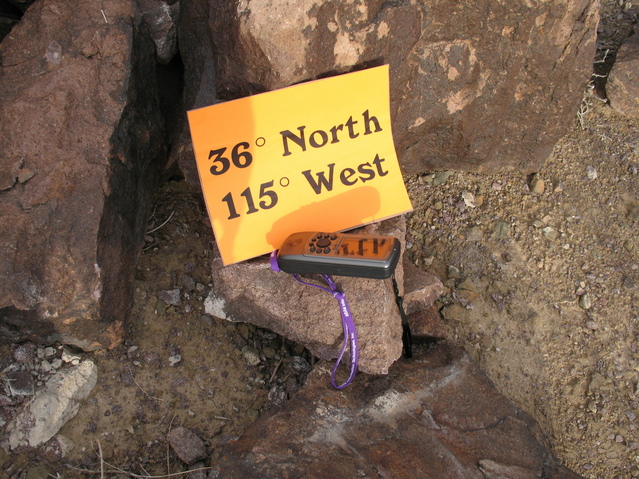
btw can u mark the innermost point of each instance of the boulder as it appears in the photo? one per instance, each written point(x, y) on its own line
point(436, 415)
point(251, 292)
point(82, 139)
point(463, 75)
point(622, 88)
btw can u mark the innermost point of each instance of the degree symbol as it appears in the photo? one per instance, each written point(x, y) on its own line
point(261, 141)
point(284, 181)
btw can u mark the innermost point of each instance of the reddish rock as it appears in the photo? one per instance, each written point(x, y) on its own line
point(188, 447)
point(251, 292)
point(427, 323)
point(436, 415)
point(463, 75)
point(420, 288)
point(80, 112)
point(622, 88)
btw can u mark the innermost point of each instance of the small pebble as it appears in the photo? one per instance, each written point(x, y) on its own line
point(45, 366)
point(24, 352)
point(453, 272)
point(24, 175)
point(253, 414)
point(585, 301)
point(269, 353)
point(469, 199)
point(550, 233)
point(537, 185)
point(592, 325)
point(441, 177)
point(591, 173)
point(170, 296)
point(251, 355)
point(501, 230)
point(68, 357)
point(173, 360)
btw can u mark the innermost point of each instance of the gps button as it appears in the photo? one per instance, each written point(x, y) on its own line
point(323, 242)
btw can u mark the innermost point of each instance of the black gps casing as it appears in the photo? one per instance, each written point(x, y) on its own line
point(339, 254)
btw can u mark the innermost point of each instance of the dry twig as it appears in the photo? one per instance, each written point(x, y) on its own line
point(158, 227)
point(116, 470)
point(142, 389)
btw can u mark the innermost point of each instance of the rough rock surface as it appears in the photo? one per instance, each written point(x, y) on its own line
point(622, 87)
point(162, 20)
point(251, 292)
point(463, 74)
point(81, 128)
point(420, 288)
point(189, 448)
point(196, 51)
point(434, 416)
point(53, 405)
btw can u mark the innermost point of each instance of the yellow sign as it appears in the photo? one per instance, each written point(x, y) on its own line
point(318, 156)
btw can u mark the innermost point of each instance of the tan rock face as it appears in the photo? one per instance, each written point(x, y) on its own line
point(478, 85)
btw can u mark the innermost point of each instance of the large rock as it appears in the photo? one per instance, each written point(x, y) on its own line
point(434, 416)
point(81, 128)
point(482, 85)
point(622, 87)
point(251, 292)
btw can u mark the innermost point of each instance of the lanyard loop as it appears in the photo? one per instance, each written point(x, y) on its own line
point(348, 324)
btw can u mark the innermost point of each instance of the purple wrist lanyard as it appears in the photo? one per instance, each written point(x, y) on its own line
point(350, 333)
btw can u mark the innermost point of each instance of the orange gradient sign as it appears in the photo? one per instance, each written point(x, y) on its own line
point(318, 156)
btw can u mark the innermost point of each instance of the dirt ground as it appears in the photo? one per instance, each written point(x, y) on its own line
point(543, 281)
point(177, 367)
point(542, 277)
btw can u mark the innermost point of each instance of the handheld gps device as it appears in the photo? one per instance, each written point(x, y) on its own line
point(363, 256)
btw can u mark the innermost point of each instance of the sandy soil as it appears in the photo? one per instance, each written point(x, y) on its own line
point(543, 278)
